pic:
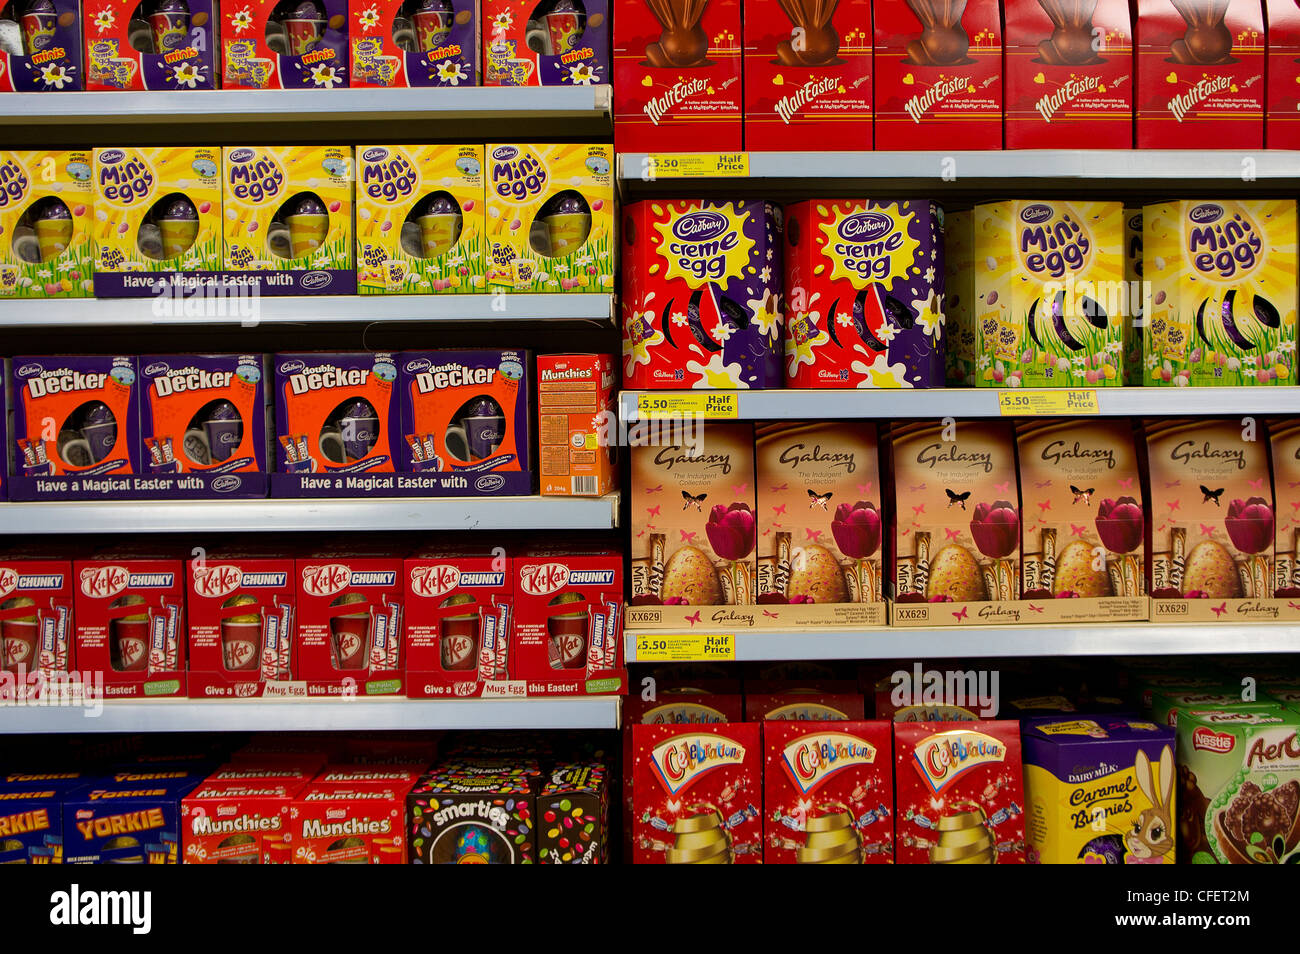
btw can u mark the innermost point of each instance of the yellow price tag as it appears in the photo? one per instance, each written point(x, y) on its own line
point(697, 165)
point(1046, 403)
point(687, 647)
point(672, 405)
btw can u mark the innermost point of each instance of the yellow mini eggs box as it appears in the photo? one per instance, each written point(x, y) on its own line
point(46, 203)
point(1222, 286)
point(157, 209)
point(289, 208)
point(1049, 282)
point(550, 217)
point(959, 303)
point(420, 220)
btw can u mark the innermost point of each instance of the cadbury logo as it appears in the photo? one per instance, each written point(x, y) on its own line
point(1033, 214)
point(490, 483)
point(703, 224)
point(375, 155)
point(289, 367)
point(111, 156)
point(158, 367)
point(504, 153)
point(242, 155)
point(316, 279)
point(226, 483)
point(540, 579)
point(1206, 213)
point(865, 226)
point(418, 365)
point(28, 370)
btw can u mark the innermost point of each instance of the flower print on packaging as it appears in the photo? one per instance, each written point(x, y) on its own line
point(284, 44)
point(556, 43)
point(150, 44)
point(40, 46)
point(702, 294)
point(413, 42)
point(46, 207)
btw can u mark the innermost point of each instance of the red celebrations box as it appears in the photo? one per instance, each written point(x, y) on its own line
point(35, 623)
point(356, 825)
point(828, 790)
point(1200, 69)
point(241, 623)
point(1069, 74)
point(350, 622)
point(696, 792)
point(677, 66)
point(807, 75)
point(576, 396)
point(233, 822)
point(155, 44)
point(568, 628)
point(828, 700)
point(938, 67)
point(284, 44)
point(130, 620)
point(959, 793)
point(458, 606)
point(1282, 121)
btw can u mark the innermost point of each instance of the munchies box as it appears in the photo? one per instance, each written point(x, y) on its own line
point(576, 395)
point(236, 822)
point(356, 825)
point(36, 596)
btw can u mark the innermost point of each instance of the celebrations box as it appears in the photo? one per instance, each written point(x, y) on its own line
point(237, 822)
point(274, 44)
point(357, 825)
point(559, 43)
point(131, 816)
point(458, 819)
point(829, 701)
point(574, 807)
point(36, 599)
point(46, 205)
point(413, 42)
point(162, 46)
point(48, 55)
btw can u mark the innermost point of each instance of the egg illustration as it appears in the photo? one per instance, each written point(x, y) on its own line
point(1210, 569)
point(817, 575)
point(955, 574)
point(690, 576)
point(1075, 572)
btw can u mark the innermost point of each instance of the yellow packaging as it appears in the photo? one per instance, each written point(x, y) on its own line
point(1132, 314)
point(550, 217)
point(157, 209)
point(268, 226)
point(1222, 281)
point(1049, 289)
point(46, 204)
point(959, 301)
point(420, 215)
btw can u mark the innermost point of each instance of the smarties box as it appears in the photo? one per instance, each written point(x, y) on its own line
point(284, 44)
point(46, 205)
point(574, 809)
point(172, 47)
point(403, 43)
point(45, 55)
point(131, 816)
point(457, 819)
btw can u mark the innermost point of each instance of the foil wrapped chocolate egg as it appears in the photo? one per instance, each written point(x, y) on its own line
point(954, 573)
point(817, 575)
point(689, 576)
point(1211, 570)
point(1075, 572)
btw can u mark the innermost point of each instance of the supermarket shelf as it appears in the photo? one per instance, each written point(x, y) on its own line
point(812, 405)
point(339, 514)
point(307, 309)
point(181, 715)
point(1109, 639)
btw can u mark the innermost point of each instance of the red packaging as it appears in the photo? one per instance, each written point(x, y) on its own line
point(349, 622)
point(35, 623)
point(308, 751)
point(458, 609)
point(959, 793)
point(241, 624)
point(807, 75)
point(370, 776)
point(129, 611)
point(938, 72)
point(696, 794)
point(358, 825)
point(576, 397)
point(1069, 82)
point(236, 822)
point(828, 702)
point(677, 67)
point(1282, 121)
point(568, 628)
point(1200, 73)
point(291, 771)
point(828, 790)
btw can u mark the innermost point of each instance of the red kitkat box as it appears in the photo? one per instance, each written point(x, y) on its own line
point(677, 66)
point(1282, 122)
point(129, 613)
point(458, 607)
point(1070, 74)
point(1200, 72)
point(938, 67)
point(807, 75)
point(696, 792)
point(35, 622)
point(241, 623)
point(236, 822)
point(359, 825)
point(568, 628)
point(959, 793)
point(828, 790)
point(350, 622)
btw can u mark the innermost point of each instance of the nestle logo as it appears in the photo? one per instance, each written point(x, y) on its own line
point(326, 580)
point(1034, 214)
point(1207, 740)
point(111, 156)
point(700, 225)
point(865, 226)
point(489, 483)
point(158, 367)
point(1204, 214)
point(290, 367)
point(504, 153)
point(313, 280)
point(28, 370)
point(374, 155)
point(226, 483)
point(418, 365)
point(544, 578)
point(242, 155)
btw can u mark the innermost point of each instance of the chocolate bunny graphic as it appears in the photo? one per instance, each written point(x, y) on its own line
point(683, 42)
point(1071, 40)
point(813, 41)
point(943, 41)
point(1207, 42)
point(1153, 835)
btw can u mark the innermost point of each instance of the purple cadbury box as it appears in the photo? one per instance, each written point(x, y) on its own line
point(55, 62)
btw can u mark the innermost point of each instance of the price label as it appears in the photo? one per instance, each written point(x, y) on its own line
point(675, 406)
point(1046, 403)
point(688, 647)
point(697, 165)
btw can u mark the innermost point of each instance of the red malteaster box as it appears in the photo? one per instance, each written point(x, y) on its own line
point(129, 613)
point(829, 702)
point(241, 623)
point(356, 824)
point(959, 795)
point(1200, 74)
point(568, 627)
point(696, 794)
point(1070, 70)
point(938, 69)
point(458, 608)
point(35, 622)
point(1282, 122)
point(828, 793)
point(677, 69)
point(237, 822)
point(807, 75)
point(349, 623)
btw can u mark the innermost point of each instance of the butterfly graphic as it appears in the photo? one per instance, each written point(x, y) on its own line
point(1041, 484)
point(692, 501)
point(653, 511)
point(918, 487)
point(1002, 487)
point(962, 614)
point(688, 536)
point(694, 617)
point(655, 490)
point(1126, 482)
point(1044, 506)
point(951, 533)
point(818, 500)
point(777, 490)
point(918, 510)
point(1220, 609)
point(1293, 484)
point(1036, 609)
point(813, 534)
point(1084, 495)
point(1206, 531)
point(739, 488)
point(1077, 530)
point(1255, 484)
point(865, 488)
point(641, 534)
point(1173, 505)
point(1293, 605)
point(1211, 495)
point(779, 508)
point(769, 613)
point(1173, 483)
point(957, 498)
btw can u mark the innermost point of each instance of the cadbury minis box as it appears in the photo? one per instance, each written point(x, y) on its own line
point(407, 43)
point(560, 43)
point(167, 45)
point(43, 53)
point(284, 44)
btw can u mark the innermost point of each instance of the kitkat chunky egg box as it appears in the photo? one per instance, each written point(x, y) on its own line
point(546, 43)
point(150, 44)
point(42, 48)
point(46, 204)
point(36, 594)
point(284, 44)
point(406, 43)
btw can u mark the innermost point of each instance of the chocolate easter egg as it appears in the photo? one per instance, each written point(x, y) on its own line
point(1210, 570)
point(1076, 573)
point(955, 574)
point(689, 576)
point(816, 575)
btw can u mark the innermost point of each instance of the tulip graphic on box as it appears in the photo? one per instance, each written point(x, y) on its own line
point(856, 530)
point(732, 532)
point(995, 528)
point(1120, 525)
point(1250, 528)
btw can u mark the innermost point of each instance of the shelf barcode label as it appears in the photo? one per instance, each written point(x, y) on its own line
point(697, 165)
point(673, 406)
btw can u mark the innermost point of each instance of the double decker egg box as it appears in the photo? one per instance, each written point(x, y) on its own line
point(46, 206)
point(150, 44)
point(285, 44)
point(556, 43)
point(41, 52)
point(405, 43)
